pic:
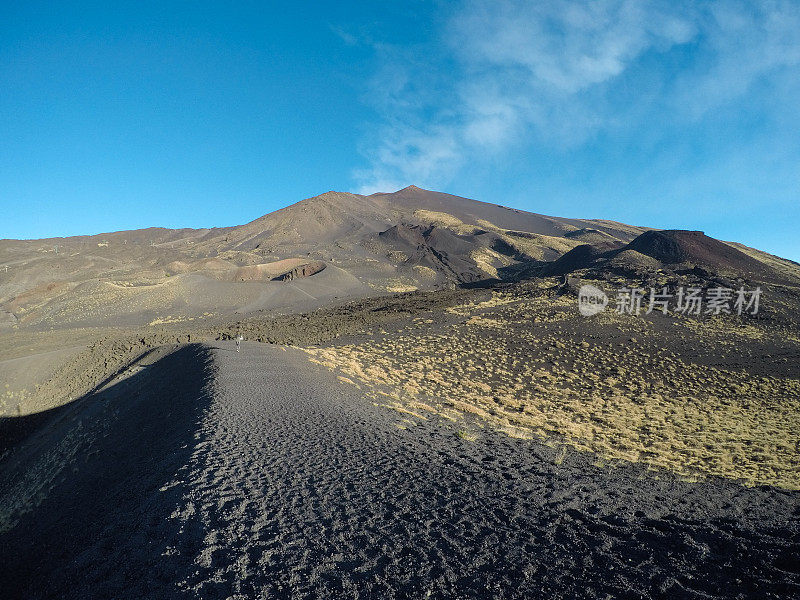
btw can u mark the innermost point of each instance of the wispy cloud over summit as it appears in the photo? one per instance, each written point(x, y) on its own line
point(500, 76)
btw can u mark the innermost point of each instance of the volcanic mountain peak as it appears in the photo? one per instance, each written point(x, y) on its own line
point(336, 244)
point(674, 246)
point(409, 189)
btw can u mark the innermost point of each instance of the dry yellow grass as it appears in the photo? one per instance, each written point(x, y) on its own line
point(620, 402)
point(443, 219)
point(533, 245)
point(425, 272)
point(400, 288)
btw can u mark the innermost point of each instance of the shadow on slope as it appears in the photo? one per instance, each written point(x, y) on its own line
point(87, 492)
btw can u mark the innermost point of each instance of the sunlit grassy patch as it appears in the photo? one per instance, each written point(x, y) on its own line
point(633, 401)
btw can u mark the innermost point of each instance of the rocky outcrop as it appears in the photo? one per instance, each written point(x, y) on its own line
point(304, 270)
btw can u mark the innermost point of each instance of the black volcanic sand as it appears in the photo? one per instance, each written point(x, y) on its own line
point(214, 474)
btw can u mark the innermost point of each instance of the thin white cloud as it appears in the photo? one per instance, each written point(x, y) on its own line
point(405, 156)
point(348, 38)
point(565, 46)
point(556, 72)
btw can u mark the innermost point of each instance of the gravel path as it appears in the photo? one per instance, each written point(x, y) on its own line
point(271, 479)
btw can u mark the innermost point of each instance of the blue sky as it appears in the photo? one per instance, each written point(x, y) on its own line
point(667, 114)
